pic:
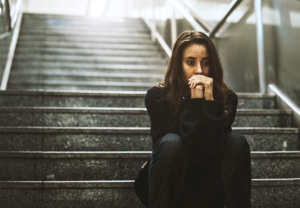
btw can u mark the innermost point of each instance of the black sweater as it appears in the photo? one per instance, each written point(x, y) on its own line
point(200, 123)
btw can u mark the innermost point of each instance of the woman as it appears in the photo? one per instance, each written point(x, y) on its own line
point(197, 160)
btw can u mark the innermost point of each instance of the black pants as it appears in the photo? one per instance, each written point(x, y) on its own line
point(169, 163)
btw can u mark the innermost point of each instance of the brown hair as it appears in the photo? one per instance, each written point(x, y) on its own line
point(174, 82)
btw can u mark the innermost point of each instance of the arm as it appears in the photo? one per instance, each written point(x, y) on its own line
point(201, 127)
point(202, 121)
point(231, 102)
point(162, 121)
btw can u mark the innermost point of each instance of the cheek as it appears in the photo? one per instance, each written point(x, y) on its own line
point(185, 68)
point(187, 71)
point(206, 71)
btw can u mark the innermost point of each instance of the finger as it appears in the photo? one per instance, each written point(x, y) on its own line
point(197, 76)
point(202, 81)
point(197, 81)
point(193, 91)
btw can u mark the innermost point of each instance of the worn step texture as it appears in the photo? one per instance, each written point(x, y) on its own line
point(125, 138)
point(73, 54)
point(119, 165)
point(74, 130)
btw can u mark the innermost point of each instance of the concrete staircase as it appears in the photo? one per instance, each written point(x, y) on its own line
point(74, 53)
point(63, 148)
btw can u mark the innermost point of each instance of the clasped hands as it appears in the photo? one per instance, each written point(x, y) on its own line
point(201, 86)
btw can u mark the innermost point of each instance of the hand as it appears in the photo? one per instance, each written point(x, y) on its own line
point(197, 92)
point(207, 84)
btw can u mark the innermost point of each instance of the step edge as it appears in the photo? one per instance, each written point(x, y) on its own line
point(123, 110)
point(99, 93)
point(121, 183)
point(124, 154)
point(133, 130)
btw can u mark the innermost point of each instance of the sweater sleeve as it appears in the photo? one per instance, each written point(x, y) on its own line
point(232, 102)
point(162, 121)
point(201, 127)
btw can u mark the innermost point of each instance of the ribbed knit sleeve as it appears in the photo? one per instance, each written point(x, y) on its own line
point(200, 124)
point(201, 127)
point(162, 121)
point(232, 101)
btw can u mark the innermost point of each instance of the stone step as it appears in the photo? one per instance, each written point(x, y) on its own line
point(42, 76)
point(107, 98)
point(83, 30)
point(86, 52)
point(49, 44)
point(76, 194)
point(84, 59)
point(120, 165)
point(266, 193)
point(79, 18)
point(88, 67)
point(78, 28)
point(29, 22)
point(122, 117)
point(78, 85)
point(126, 138)
point(83, 34)
point(31, 38)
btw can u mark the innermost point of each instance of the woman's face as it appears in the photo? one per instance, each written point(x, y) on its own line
point(195, 60)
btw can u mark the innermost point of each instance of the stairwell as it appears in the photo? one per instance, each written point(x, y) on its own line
point(74, 130)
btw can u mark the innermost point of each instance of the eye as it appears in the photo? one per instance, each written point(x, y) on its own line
point(206, 63)
point(190, 62)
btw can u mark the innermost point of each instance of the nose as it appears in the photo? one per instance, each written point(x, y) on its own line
point(199, 69)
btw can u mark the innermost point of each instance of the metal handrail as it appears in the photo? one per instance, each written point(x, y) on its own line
point(11, 17)
point(202, 22)
point(212, 31)
point(12, 47)
point(187, 16)
point(203, 27)
point(283, 101)
point(260, 45)
point(16, 12)
point(229, 10)
point(8, 18)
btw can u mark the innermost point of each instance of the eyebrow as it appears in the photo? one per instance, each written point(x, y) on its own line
point(190, 57)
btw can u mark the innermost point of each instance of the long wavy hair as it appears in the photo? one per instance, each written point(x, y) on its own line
point(175, 84)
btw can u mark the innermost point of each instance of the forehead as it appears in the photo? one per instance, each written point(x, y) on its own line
point(195, 50)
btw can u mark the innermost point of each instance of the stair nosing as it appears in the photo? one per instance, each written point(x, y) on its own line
point(106, 93)
point(122, 183)
point(122, 110)
point(124, 154)
point(132, 130)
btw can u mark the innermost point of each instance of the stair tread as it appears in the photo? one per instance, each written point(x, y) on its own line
point(123, 154)
point(132, 130)
point(124, 183)
point(129, 110)
point(107, 93)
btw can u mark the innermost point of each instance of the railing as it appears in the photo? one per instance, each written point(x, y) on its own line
point(13, 15)
point(199, 24)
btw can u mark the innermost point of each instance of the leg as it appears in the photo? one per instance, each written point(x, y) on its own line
point(167, 167)
point(236, 171)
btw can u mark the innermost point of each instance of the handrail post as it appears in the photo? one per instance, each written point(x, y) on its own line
point(153, 29)
point(8, 18)
point(87, 11)
point(173, 26)
point(260, 45)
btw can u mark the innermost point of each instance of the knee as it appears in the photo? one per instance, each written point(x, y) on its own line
point(169, 148)
point(237, 144)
